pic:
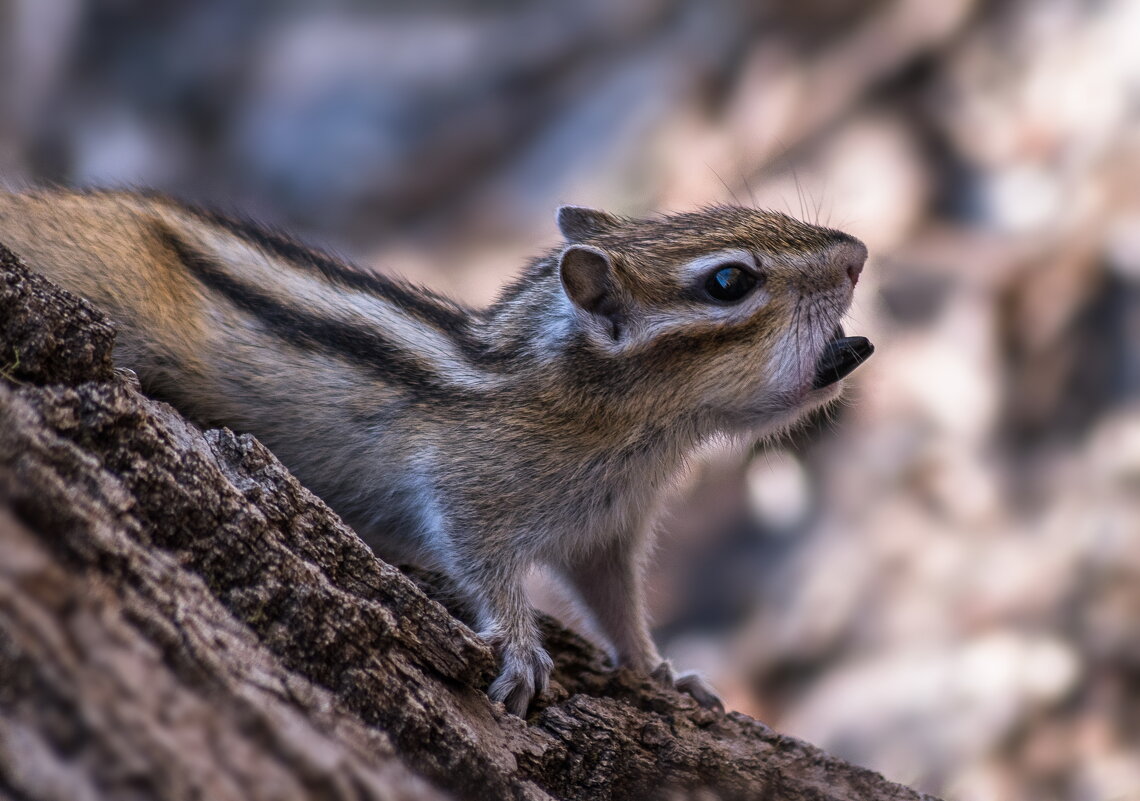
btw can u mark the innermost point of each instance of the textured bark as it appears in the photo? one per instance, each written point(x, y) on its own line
point(179, 618)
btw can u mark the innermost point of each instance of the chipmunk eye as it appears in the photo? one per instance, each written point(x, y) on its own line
point(729, 283)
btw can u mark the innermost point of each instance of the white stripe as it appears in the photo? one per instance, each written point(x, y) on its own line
point(311, 292)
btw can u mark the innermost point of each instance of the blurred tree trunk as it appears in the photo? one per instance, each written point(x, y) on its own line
point(179, 618)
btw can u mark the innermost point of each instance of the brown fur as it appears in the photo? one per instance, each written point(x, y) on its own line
point(542, 429)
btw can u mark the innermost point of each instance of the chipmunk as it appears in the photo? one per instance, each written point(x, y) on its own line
point(540, 430)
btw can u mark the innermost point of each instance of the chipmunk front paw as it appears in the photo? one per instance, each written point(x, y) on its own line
point(525, 674)
point(691, 683)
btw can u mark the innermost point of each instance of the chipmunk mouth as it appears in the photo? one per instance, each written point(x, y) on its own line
point(840, 358)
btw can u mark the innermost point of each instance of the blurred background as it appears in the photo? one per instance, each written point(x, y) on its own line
point(942, 581)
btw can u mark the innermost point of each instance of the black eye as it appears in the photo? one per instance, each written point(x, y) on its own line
point(730, 283)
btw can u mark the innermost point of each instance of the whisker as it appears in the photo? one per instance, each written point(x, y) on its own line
point(724, 183)
point(748, 186)
point(799, 191)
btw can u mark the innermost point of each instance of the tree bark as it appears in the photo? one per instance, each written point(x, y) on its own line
point(180, 618)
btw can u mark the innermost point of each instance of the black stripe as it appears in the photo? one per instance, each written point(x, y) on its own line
point(421, 303)
point(357, 344)
point(448, 317)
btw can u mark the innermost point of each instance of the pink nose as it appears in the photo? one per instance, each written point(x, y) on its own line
point(850, 257)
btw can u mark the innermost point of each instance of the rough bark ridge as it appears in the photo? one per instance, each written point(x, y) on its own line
point(179, 618)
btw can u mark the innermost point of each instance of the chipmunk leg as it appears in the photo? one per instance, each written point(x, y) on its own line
point(611, 585)
point(506, 620)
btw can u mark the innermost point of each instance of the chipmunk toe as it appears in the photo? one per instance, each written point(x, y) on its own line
point(691, 683)
point(525, 675)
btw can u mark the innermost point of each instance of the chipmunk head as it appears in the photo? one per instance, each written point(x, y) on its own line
point(729, 311)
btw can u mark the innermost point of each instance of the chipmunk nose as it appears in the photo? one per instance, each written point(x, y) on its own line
point(849, 256)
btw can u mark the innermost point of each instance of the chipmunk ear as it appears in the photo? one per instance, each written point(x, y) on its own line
point(588, 278)
point(577, 222)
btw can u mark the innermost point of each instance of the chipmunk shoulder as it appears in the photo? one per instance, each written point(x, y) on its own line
point(539, 430)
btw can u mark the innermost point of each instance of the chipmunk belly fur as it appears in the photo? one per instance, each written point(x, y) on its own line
point(541, 430)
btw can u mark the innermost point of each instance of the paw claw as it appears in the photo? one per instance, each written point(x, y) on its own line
point(525, 674)
point(691, 683)
point(663, 673)
point(696, 685)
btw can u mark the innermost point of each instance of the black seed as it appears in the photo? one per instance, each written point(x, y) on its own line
point(840, 358)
